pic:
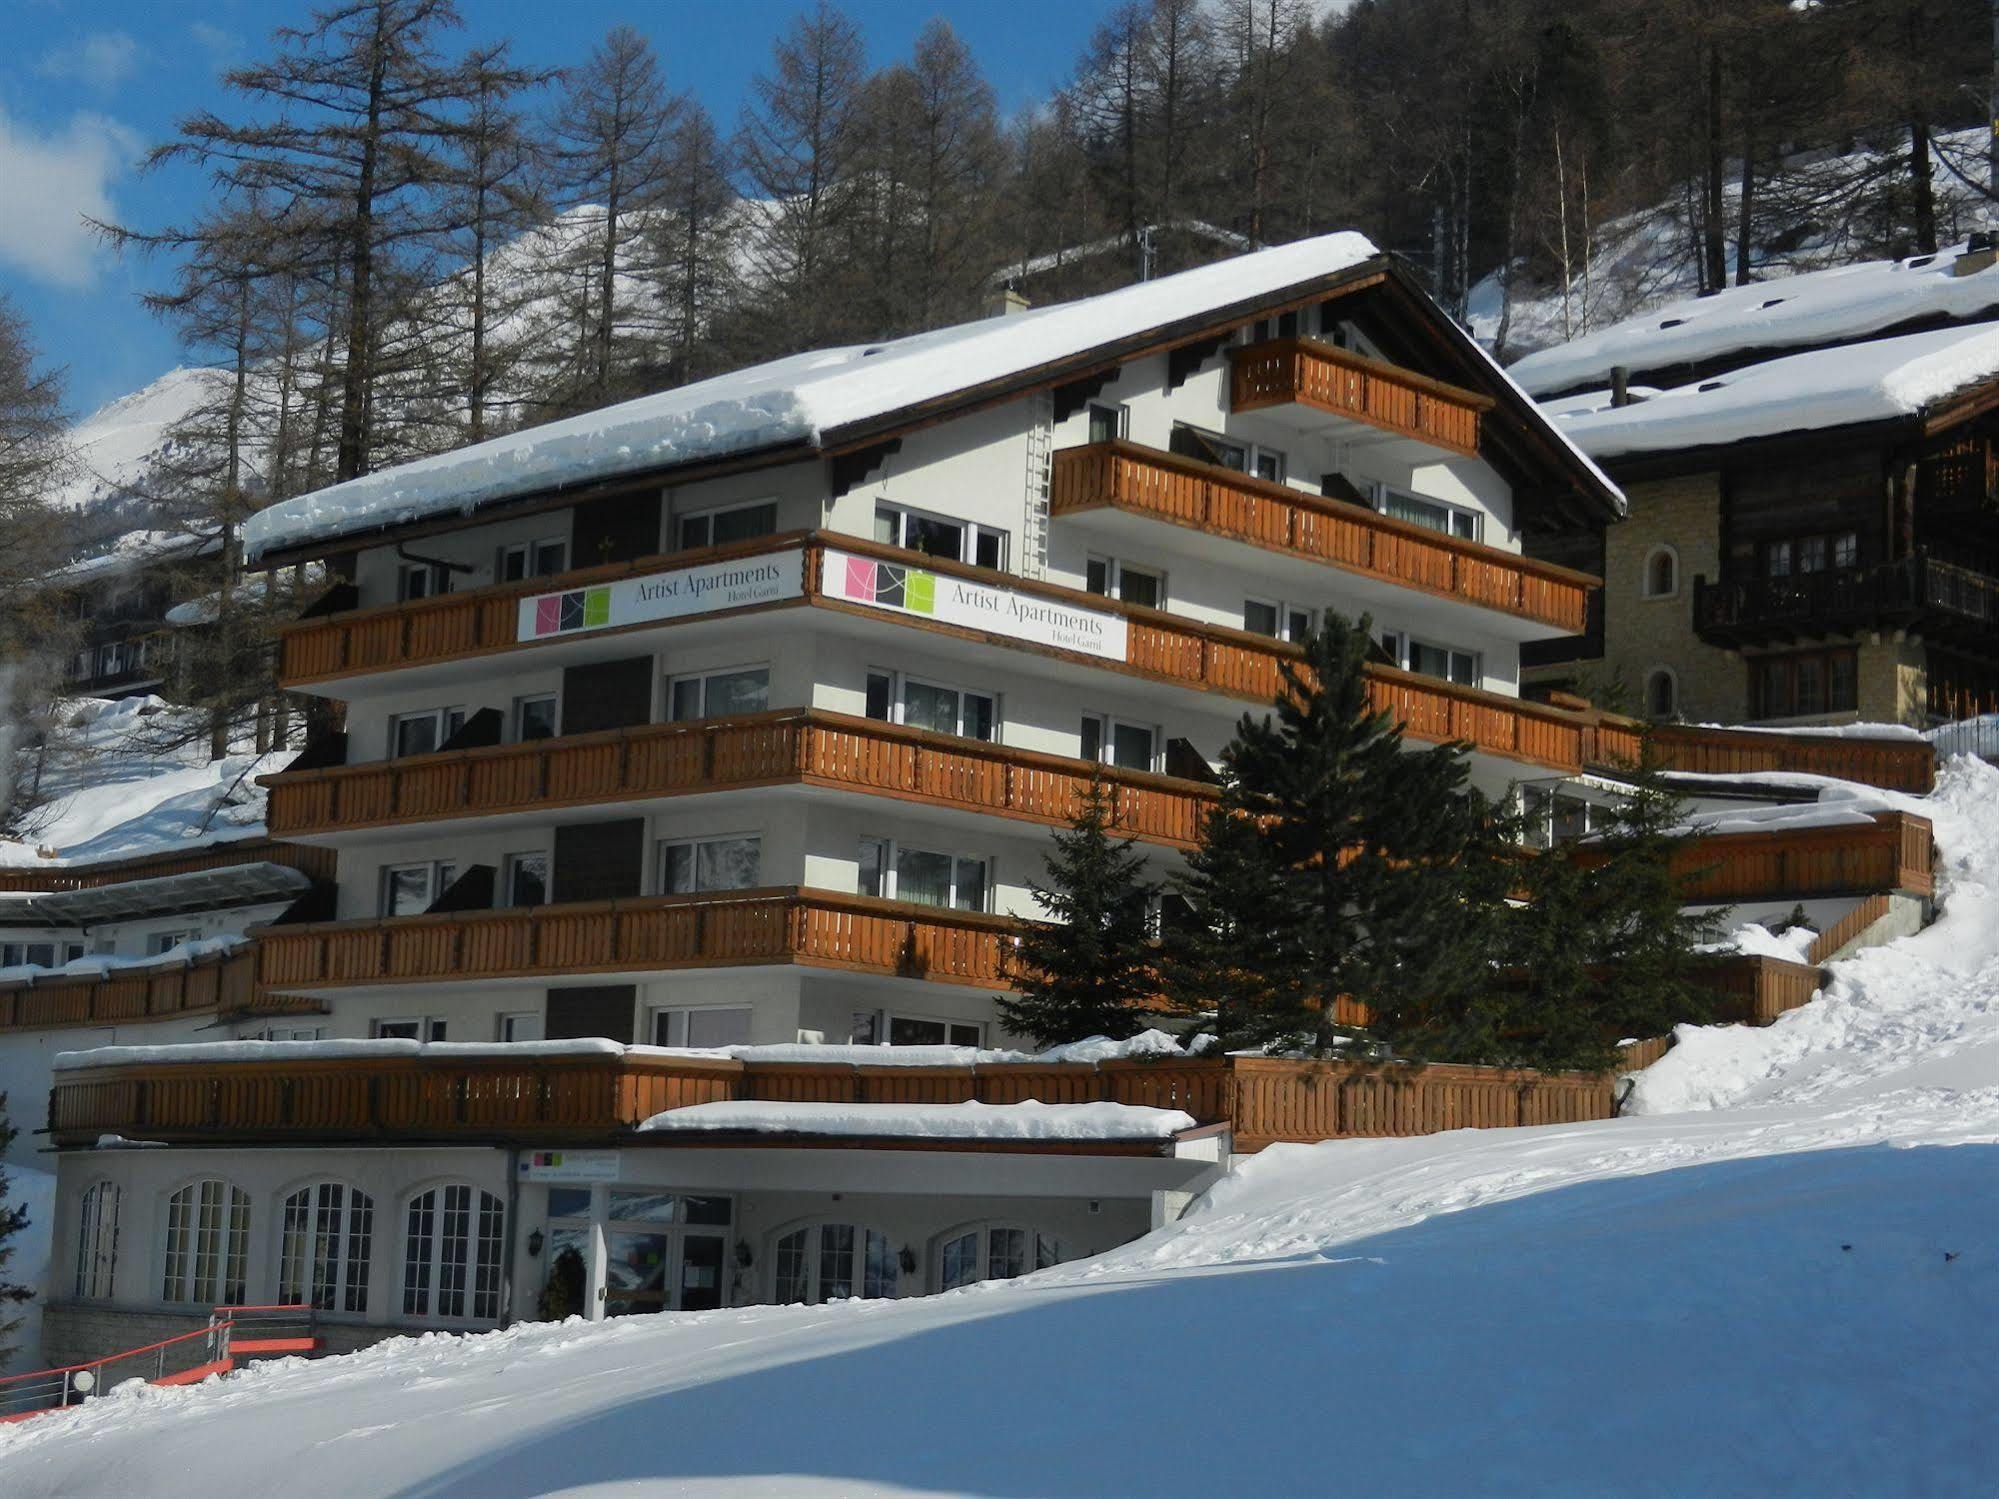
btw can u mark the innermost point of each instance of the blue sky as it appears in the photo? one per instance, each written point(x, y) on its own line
point(86, 86)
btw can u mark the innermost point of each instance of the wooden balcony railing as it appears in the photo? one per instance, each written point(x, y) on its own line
point(1895, 764)
point(1910, 591)
point(1158, 645)
point(602, 1097)
point(220, 983)
point(1305, 372)
point(1221, 502)
point(796, 746)
point(1892, 851)
point(818, 928)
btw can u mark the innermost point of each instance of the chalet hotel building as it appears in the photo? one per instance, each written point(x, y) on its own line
point(740, 714)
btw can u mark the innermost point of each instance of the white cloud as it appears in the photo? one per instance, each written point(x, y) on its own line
point(49, 184)
point(221, 46)
point(100, 60)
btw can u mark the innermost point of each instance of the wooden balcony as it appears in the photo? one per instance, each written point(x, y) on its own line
point(1890, 852)
point(776, 925)
point(790, 747)
point(602, 1097)
point(1941, 599)
point(1221, 502)
point(1158, 646)
point(221, 984)
point(40, 879)
point(1895, 764)
point(1305, 372)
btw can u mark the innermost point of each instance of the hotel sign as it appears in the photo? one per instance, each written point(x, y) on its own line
point(1002, 611)
point(656, 596)
point(569, 1165)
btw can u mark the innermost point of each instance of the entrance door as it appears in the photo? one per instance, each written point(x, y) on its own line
point(664, 1251)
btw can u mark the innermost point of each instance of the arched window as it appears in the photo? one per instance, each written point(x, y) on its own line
point(452, 1242)
point(833, 1262)
point(208, 1244)
point(1662, 573)
point(1662, 693)
point(97, 1241)
point(327, 1232)
point(994, 1251)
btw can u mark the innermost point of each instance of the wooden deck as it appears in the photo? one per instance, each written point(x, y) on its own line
point(787, 747)
point(1894, 764)
point(1891, 852)
point(777, 925)
point(1306, 372)
point(602, 1098)
point(223, 984)
point(1220, 502)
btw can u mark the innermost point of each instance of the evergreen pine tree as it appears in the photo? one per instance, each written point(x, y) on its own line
point(1601, 949)
point(12, 1221)
point(1371, 890)
point(1088, 971)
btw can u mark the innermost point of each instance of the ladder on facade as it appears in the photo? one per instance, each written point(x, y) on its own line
point(234, 1335)
point(1040, 477)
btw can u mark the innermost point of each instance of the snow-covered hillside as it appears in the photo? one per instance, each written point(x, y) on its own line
point(1786, 1289)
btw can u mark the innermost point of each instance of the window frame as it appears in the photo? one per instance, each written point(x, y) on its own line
point(1381, 493)
point(890, 877)
point(705, 678)
point(97, 1243)
point(429, 1028)
point(1828, 660)
point(1287, 615)
point(677, 1021)
point(1107, 725)
point(446, 721)
point(1403, 654)
point(483, 1266)
point(182, 1280)
point(519, 716)
point(972, 534)
point(301, 1259)
point(533, 560)
point(984, 1228)
point(1114, 570)
point(1119, 414)
point(504, 1023)
point(1672, 680)
point(510, 864)
point(694, 843)
point(708, 514)
point(437, 580)
point(814, 1261)
point(442, 873)
point(899, 683)
point(1665, 551)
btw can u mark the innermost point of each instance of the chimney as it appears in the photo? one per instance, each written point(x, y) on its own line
point(1006, 303)
point(1620, 385)
point(1980, 251)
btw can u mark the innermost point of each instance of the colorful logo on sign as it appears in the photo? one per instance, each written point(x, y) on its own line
point(579, 609)
point(891, 586)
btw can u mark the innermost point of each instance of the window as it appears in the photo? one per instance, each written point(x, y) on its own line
point(534, 717)
point(424, 732)
point(1553, 816)
point(1117, 741)
point(1846, 549)
point(833, 1262)
point(408, 1028)
point(1812, 553)
point(323, 1248)
point(83, 663)
point(937, 536)
point(1662, 573)
point(727, 523)
point(1107, 422)
point(894, 698)
point(208, 1244)
point(1279, 620)
point(422, 580)
point(994, 1251)
point(1662, 694)
point(532, 559)
point(1116, 579)
point(1777, 559)
point(522, 1025)
point(410, 889)
point(717, 694)
point(292, 1033)
point(922, 1030)
point(1805, 684)
point(1228, 452)
point(526, 876)
point(27, 954)
point(97, 1241)
point(702, 1027)
point(165, 942)
point(1446, 663)
point(690, 865)
point(922, 876)
point(451, 1253)
point(1430, 514)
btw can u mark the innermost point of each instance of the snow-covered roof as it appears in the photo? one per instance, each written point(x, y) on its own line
point(801, 399)
point(1864, 382)
point(1818, 307)
point(926, 1121)
point(132, 550)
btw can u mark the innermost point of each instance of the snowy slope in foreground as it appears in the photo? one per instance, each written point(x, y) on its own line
point(1792, 1295)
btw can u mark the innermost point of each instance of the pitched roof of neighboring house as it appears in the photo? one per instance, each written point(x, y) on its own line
point(1930, 379)
point(1742, 324)
point(833, 399)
